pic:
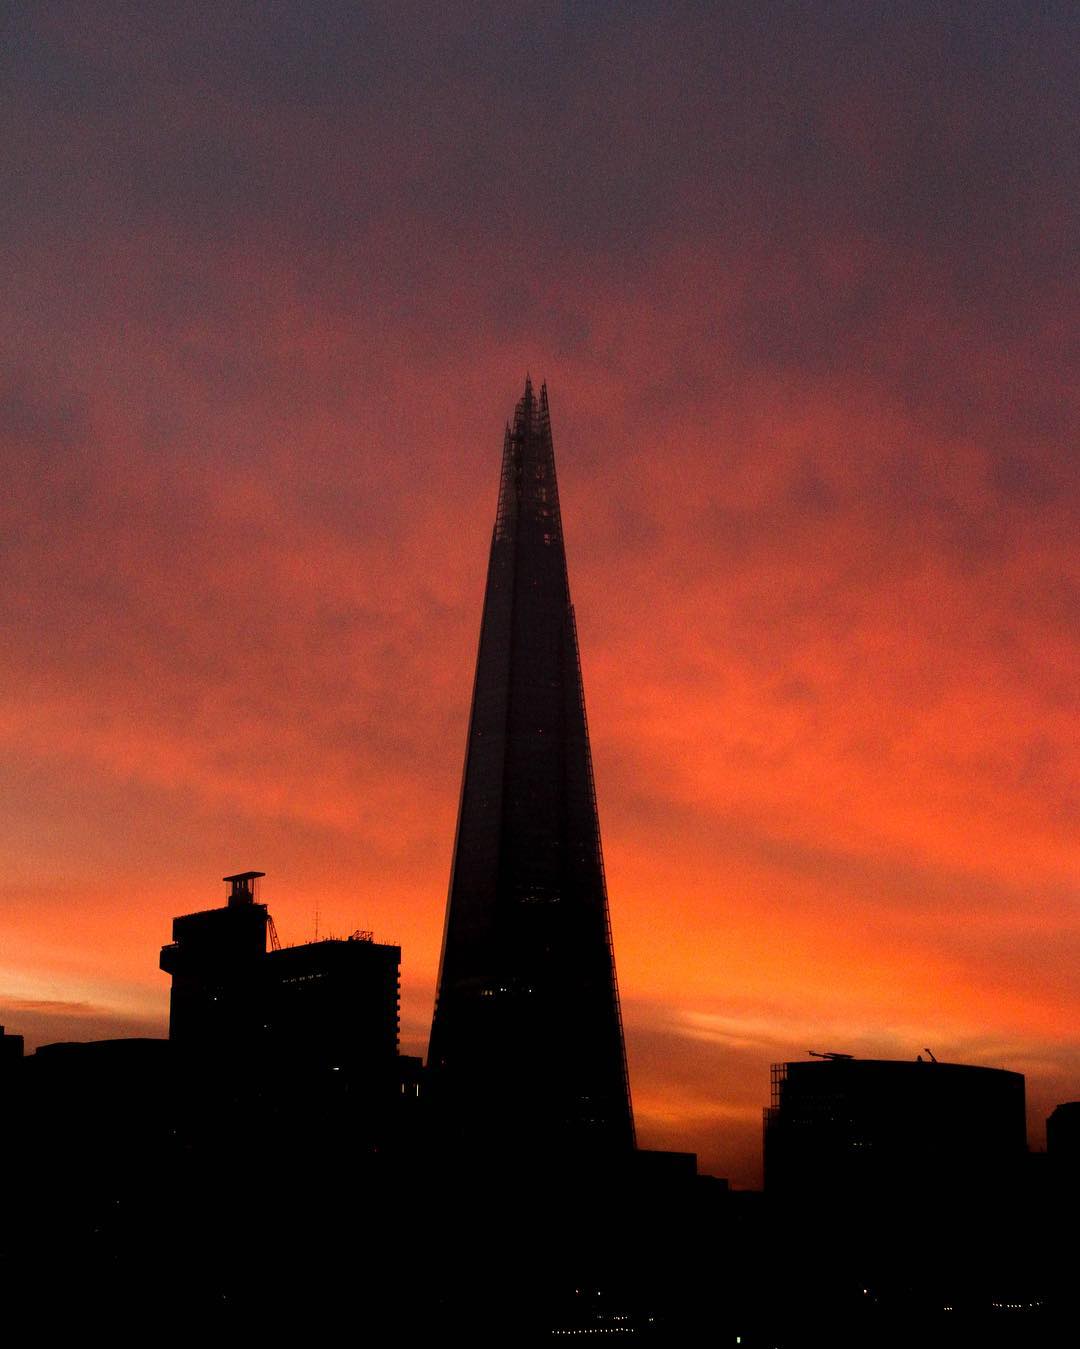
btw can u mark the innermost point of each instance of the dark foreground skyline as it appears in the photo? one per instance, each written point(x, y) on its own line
point(801, 279)
point(279, 1133)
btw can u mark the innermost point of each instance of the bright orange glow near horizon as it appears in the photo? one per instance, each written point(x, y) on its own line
point(275, 290)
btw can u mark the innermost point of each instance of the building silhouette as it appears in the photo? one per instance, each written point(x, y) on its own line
point(11, 1048)
point(1063, 1134)
point(1063, 1152)
point(898, 1199)
point(526, 1040)
point(214, 959)
point(332, 1002)
point(298, 1043)
point(862, 1126)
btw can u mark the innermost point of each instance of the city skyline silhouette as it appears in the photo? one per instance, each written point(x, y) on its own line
point(801, 286)
point(900, 1196)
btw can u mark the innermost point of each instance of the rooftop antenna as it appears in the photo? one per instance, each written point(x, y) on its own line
point(931, 1053)
point(316, 918)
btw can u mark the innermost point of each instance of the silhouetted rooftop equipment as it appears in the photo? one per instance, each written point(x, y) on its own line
point(242, 886)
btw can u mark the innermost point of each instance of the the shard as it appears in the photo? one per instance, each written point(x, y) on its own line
point(526, 1041)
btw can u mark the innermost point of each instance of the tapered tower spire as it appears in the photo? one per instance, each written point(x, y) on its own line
point(526, 1042)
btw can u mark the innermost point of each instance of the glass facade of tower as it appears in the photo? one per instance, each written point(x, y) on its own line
point(526, 1042)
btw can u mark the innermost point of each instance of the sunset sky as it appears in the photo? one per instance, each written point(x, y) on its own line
point(802, 281)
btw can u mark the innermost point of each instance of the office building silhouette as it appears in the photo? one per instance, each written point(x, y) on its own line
point(1063, 1133)
point(332, 1002)
point(526, 1040)
point(1063, 1148)
point(859, 1127)
point(214, 958)
point(11, 1048)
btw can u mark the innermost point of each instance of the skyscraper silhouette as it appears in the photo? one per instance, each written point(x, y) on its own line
point(526, 1042)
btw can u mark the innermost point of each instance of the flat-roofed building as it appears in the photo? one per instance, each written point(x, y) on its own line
point(847, 1124)
point(333, 1001)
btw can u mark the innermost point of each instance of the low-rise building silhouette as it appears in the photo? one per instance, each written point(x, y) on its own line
point(11, 1048)
point(297, 1042)
point(332, 1002)
point(1063, 1135)
point(851, 1125)
point(1063, 1153)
